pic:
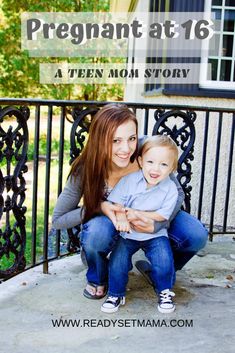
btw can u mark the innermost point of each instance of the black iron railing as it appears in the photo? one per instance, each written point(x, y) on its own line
point(29, 186)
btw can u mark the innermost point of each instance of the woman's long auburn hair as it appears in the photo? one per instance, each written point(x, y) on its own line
point(95, 162)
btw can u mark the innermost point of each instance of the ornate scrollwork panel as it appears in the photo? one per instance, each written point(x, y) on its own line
point(80, 128)
point(13, 156)
point(180, 127)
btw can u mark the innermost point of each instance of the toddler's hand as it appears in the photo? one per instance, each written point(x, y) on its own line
point(130, 214)
point(123, 226)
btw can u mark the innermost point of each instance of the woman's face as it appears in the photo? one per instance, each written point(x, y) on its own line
point(124, 144)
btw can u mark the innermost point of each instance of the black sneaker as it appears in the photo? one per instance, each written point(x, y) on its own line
point(166, 304)
point(112, 304)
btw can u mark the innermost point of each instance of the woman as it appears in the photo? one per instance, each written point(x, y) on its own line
point(110, 153)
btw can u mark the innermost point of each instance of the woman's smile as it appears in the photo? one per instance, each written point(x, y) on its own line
point(124, 156)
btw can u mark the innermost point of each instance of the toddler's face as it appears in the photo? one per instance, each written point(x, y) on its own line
point(157, 164)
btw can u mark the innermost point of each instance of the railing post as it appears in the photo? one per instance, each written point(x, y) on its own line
point(47, 191)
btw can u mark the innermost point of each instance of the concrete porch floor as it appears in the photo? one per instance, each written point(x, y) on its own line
point(205, 297)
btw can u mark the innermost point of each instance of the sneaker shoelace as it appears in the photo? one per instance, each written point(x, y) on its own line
point(166, 297)
point(111, 299)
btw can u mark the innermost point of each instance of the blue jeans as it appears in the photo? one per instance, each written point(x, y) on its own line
point(98, 237)
point(158, 252)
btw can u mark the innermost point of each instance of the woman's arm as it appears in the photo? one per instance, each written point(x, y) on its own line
point(180, 199)
point(66, 213)
point(153, 215)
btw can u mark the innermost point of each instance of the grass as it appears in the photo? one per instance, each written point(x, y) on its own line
point(55, 144)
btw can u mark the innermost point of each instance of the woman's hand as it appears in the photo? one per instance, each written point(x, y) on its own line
point(139, 222)
point(109, 210)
